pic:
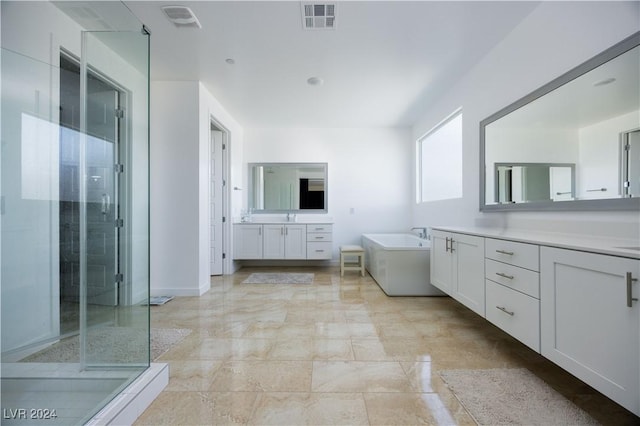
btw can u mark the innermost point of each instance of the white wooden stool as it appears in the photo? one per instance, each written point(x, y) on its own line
point(349, 251)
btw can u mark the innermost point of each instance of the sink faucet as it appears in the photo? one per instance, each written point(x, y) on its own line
point(423, 232)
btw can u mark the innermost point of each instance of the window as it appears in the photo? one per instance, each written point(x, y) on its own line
point(439, 155)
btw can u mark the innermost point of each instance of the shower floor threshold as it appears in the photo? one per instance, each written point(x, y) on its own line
point(135, 398)
point(72, 389)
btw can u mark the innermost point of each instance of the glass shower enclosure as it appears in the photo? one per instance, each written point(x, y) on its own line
point(74, 211)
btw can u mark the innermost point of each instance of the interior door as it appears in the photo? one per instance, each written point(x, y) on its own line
point(633, 164)
point(216, 201)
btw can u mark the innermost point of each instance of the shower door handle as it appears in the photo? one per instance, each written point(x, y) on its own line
point(106, 204)
point(630, 298)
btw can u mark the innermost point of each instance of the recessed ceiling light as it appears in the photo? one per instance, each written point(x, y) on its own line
point(230, 61)
point(604, 82)
point(315, 81)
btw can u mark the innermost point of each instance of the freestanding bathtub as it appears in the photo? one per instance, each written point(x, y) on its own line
point(400, 264)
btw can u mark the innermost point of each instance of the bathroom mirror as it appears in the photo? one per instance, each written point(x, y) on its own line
point(534, 182)
point(573, 144)
point(288, 187)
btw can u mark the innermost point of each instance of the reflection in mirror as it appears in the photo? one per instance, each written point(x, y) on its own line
point(582, 131)
point(534, 182)
point(288, 187)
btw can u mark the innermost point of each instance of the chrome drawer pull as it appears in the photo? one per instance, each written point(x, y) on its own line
point(503, 309)
point(630, 298)
point(500, 274)
point(509, 253)
point(319, 251)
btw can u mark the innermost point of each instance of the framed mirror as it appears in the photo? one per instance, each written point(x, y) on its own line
point(573, 144)
point(288, 187)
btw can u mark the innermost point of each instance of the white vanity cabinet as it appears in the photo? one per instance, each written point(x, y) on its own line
point(319, 241)
point(457, 267)
point(247, 241)
point(288, 241)
point(284, 241)
point(590, 322)
point(573, 299)
point(513, 289)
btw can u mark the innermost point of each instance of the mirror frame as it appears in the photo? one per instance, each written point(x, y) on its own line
point(250, 193)
point(568, 205)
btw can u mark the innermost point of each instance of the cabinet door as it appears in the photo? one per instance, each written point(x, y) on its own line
point(295, 241)
point(273, 242)
point(441, 261)
point(247, 242)
point(468, 271)
point(587, 326)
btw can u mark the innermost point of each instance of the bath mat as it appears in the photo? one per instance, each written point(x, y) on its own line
point(279, 278)
point(512, 396)
point(159, 300)
point(123, 343)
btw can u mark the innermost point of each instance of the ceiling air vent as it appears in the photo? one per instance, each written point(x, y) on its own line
point(318, 16)
point(181, 16)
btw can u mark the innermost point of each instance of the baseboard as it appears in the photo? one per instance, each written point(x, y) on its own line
point(189, 292)
point(176, 292)
point(301, 263)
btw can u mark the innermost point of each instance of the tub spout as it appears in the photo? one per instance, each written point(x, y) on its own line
point(422, 233)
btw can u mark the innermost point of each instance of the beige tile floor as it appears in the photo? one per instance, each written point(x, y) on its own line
point(338, 352)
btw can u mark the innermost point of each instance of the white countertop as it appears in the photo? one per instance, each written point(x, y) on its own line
point(283, 222)
point(601, 245)
point(301, 220)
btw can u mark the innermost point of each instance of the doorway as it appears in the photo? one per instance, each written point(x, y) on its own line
point(218, 197)
point(104, 136)
point(630, 159)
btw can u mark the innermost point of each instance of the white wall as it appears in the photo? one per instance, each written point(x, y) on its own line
point(554, 38)
point(368, 172)
point(180, 123)
point(174, 196)
point(599, 165)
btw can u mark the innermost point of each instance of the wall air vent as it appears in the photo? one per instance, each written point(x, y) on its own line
point(181, 16)
point(318, 16)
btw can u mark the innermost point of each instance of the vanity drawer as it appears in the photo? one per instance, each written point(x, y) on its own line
point(517, 278)
point(319, 250)
point(319, 227)
point(518, 254)
point(318, 236)
point(515, 313)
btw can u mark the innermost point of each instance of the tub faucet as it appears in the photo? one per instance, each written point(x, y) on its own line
point(423, 232)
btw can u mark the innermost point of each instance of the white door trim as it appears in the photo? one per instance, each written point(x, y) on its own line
point(226, 208)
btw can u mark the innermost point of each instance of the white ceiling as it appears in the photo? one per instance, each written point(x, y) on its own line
point(381, 66)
